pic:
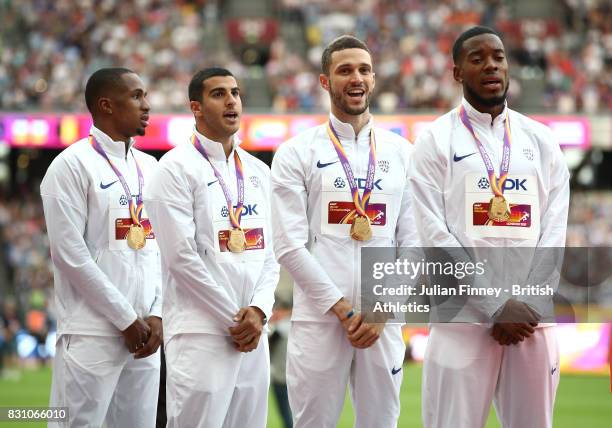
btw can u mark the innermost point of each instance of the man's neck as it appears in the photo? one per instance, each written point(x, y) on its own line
point(494, 111)
point(357, 121)
point(227, 142)
point(113, 134)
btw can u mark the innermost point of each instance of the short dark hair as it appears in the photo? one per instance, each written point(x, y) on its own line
point(468, 34)
point(100, 82)
point(196, 86)
point(339, 44)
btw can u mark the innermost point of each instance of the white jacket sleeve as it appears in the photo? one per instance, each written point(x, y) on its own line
point(64, 196)
point(263, 296)
point(169, 203)
point(290, 207)
point(548, 258)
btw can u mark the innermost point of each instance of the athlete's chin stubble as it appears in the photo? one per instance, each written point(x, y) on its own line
point(339, 102)
point(488, 102)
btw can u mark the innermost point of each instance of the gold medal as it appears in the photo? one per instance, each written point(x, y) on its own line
point(237, 241)
point(136, 238)
point(498, 209)
point(361, 230)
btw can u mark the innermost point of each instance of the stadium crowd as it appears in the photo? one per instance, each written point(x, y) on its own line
point(51, 47)
point(26, 298)
point(43, 66)
point(411, 39)
point(589, 220)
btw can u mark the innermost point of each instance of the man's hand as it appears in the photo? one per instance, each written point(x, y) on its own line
point(515, 323)
point(155, 338)
point(517, 312)
point(511, 333)
point(366, 335)
point(136, 335)
point(248, 331)
point(344, 312)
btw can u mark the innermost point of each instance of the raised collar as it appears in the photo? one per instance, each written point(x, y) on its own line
point(484, 119)
point(346, 131)
point(214, 149)
point(111, 147)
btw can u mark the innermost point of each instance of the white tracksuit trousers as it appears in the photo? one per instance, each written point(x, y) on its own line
point(99, 380)
point(209, 384)
point(320, 363)
point(465, 369)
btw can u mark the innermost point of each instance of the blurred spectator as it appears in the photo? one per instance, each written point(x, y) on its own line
point(589, 220)
point(280, 323)
point(9, 327)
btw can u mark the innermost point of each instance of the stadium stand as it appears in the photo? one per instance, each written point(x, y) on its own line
point(563, 51)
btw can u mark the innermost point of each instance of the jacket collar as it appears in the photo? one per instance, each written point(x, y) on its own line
point(111, 147)
point(345, 130)
point(484, 119)
point(214, 149)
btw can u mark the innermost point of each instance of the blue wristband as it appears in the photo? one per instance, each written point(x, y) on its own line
point(350, 313)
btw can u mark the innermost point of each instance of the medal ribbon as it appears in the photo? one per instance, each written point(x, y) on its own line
point(497, 184)
point(234, 215)
point(135, 209)
point(361, 203)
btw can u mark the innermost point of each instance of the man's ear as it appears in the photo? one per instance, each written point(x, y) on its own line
point(324, 81)
point(105, 105)
point(457, 74)
point(196, 108)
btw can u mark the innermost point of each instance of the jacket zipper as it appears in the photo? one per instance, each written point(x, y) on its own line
point(239, 266)
point(356, 276)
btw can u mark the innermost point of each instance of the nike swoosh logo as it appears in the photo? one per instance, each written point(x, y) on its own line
point(458, 158)
point(106, 186)
point(212, 182)
point(552, 372)
point(323, 165)
point(395, 371)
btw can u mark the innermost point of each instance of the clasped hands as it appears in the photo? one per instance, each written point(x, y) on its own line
point(247, 332)
point(144, 337)
point(515, 323)
point(360, 332)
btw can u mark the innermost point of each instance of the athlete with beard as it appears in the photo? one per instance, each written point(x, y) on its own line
point(515, 363)
point(337, 188)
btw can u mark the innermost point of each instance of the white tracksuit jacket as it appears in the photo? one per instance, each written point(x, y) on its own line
point(204, 286)
point(101, 285)
point(449, 181)
point(310, 194)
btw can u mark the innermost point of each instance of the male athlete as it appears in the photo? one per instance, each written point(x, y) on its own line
point(486, 176)
point(209, 204)
point(107, 271)
point(337, 188)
